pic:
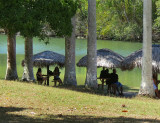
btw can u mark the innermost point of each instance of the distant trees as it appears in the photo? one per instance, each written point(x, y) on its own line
point(118, 19)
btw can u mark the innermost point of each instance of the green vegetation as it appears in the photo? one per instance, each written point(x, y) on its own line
point(119, 19)
point(27, 102)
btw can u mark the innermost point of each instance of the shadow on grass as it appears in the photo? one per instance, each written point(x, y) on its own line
point(128, 91)
point(81, 88)
point(5, 117)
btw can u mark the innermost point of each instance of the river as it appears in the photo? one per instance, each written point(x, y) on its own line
point(131, 79)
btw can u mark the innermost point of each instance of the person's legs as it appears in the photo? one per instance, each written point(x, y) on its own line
point(109, 88)
point(114, 87)
point(40, 82)
point(55, 82)
point(119, 86)
point(60, 81)
point(121, 89)
point(44, 79)
point(102, 83)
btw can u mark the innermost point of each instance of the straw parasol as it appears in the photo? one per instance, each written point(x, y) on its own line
point(135, 59)
point(47, 58)
point(105, 58)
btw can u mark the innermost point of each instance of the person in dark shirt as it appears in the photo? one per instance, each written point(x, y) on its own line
point(115, 84)
point(40, 78)
point(114, 77)
point(107, 76)
point(102, 75)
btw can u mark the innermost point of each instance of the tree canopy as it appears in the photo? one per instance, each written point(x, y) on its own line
point(11, 12)
point(30, 16)
point(118, 19)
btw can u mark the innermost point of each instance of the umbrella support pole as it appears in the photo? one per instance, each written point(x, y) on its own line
point(47, 75)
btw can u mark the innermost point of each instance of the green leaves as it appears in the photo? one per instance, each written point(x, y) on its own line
point(10, 15)
point(30, 16)
point(59, 16)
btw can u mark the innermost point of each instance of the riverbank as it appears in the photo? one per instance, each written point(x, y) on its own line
point(156, 37)
point(27, 102)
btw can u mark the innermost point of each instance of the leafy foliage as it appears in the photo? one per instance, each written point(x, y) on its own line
point(59, 14)
point(30, 16)
point(118, 19)
point(11, 12)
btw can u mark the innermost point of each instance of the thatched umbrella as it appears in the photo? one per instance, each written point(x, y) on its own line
point(105, 58)
point(47, 58)
point(135, 59)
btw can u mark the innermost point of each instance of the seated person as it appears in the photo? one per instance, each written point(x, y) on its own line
point(115, 84)
point(155, 85)
point(56, 74)
point(40, 78)
point(104, 75)
point(107, 76)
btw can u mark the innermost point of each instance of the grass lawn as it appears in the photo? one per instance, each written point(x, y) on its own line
point(27, 102)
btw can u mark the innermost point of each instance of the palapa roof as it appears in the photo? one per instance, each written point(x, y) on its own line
point(46, 58)
point(135, 59)
point(105, 58)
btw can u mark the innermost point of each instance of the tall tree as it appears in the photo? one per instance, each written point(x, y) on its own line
point(70, 73)
point(33, 20)
point(147, 82)
point(10, 19)
point(11, 72)
point(91, 77)
point(28, 60)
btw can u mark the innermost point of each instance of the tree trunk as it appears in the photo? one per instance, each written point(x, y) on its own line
point(91, 77)
point(147, 82)
point(70, 73)
point(11, 72)
point(28, 62)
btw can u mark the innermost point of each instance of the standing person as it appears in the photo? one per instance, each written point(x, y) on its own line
point(114, 82)
point(56, 74)
point(40, 78)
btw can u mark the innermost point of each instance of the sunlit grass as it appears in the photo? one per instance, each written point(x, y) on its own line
point(42, 103)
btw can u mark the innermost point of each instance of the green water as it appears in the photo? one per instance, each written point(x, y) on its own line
point(128, 78)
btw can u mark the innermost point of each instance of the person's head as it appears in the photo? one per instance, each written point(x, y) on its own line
point(107, 70)
point(114, 71)
point(56, 69)
point(103, 68)
point(39, 70)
